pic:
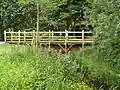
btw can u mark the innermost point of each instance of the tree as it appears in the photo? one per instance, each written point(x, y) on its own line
point(72, 13)
point(105, 18)
point(16, 15)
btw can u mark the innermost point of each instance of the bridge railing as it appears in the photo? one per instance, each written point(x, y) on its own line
point(58, 37)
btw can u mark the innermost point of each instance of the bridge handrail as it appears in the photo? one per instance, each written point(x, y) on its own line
point(50, 36)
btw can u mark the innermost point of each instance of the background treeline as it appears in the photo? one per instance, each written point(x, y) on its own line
point(54, 15)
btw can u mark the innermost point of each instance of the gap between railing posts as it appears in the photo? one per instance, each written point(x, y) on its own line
point(52, 35)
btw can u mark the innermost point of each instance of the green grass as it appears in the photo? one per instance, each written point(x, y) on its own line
point(4, 48)
point(23, 69)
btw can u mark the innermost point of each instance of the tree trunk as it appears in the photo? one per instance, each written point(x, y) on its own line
point(1, 36)
point(1, 33)
point(37, 24)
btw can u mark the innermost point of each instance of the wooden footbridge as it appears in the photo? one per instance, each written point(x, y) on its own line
point(64, 39)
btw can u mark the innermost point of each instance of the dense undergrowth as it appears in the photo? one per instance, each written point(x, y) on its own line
point(99, 71)
point(23, 69)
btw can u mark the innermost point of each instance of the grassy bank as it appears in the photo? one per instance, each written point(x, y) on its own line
point(23, 69)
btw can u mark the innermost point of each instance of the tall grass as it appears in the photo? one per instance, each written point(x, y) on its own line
point(98, 70)
point(23, 69)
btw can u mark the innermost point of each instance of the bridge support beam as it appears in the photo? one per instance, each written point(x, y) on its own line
point(61, 47)
point(70, 47)
point(65, 48)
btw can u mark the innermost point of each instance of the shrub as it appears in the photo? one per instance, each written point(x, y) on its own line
point(98, 70)
point(104, 17)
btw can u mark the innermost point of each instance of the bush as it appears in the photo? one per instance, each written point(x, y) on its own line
point(98, 71)
point(103, 61)
point(104, 17)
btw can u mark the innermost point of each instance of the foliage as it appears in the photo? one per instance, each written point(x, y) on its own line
point(103, 15)
point(98, 66)
point(103, 61)
point(97, 70)
point(24, 69)
point(71, 13)
point(16, 15)
point(54, 14)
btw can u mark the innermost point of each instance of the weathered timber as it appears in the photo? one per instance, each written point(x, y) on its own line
point(64, 39)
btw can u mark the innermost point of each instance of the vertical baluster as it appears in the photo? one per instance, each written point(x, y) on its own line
point(49, 40)
point(19, 36)
point(82, 38)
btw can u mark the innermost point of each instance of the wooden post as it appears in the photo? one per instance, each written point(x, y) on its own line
point(66, 38)
point(11, 36)
point(24, 37)
point(82, 38)
point(33, 35)
point(5, 36)
point(19, 36)
point(33, 41)
point(49, 48)
point(37, 34)
point(52, 35)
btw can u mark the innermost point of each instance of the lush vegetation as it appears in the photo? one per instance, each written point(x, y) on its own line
point(104, 17)
point(97, 66)
point(53, 15)
point(25, 69)
point(97, 70)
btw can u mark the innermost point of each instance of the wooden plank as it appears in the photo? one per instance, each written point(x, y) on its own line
point(20, 32)
point(33, 38)
point(61, 47)
point(11, 36)
point(82, 38)
point(51, 38)
point(69, 32)
point(66, 39)
point(49, 48)
point(74, 39)
point(19, 35)
point(24, 36)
